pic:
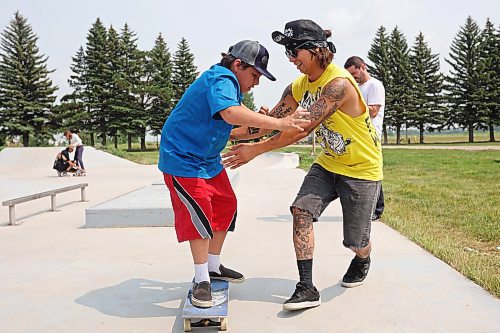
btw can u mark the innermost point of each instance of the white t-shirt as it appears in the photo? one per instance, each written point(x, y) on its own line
point(75, 140)
point(374, 94)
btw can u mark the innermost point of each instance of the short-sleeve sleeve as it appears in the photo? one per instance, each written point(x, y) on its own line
point(376, 95)
point(222, 94)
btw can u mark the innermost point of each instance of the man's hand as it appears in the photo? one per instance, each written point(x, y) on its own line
point(298, 121)
point(239, 155)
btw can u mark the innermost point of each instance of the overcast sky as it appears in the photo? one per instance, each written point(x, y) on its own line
point(211, 26)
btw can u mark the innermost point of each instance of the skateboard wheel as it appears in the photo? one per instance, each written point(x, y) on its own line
point(223, 324)
point(187, 325)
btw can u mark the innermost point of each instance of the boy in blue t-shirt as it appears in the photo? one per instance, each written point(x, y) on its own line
point(192, 139)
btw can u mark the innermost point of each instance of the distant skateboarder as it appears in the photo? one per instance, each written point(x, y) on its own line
point(76, 141)
point(63, 163)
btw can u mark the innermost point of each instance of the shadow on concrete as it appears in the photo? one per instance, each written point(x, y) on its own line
point(141, 298)
point(136, 298)
point(288, 218)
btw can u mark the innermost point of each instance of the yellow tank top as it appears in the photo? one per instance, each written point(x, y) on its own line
point(351, 146)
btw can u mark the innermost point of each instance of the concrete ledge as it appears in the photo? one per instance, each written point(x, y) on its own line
point(276, 161)
point(146, 207)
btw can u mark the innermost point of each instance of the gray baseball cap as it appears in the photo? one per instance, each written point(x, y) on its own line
point(254, 54)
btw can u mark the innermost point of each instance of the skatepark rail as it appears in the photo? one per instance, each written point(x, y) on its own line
point(12, 202)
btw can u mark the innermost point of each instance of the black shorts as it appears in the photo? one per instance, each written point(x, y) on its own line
point(358, 198)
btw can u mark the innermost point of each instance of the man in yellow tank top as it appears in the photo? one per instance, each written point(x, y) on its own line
point(348, 168)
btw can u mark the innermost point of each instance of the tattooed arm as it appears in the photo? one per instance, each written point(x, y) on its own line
point(332, 97)
point(285, 107)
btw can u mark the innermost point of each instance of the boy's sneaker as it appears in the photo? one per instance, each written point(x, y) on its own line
point(202, 294)
point(357, 272)
point(304, 297)
point(227, 274)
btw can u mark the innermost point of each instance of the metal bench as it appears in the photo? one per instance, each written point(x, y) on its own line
point(12, 202)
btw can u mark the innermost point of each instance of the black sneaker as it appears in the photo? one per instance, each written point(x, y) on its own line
point(357, 272)
point(304, 297)
point(202, 294)
point(376, 217)
point(227, 274)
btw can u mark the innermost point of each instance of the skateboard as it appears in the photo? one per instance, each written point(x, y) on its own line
point(70, 172)
point(215, 316)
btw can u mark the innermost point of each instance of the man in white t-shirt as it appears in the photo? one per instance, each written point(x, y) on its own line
point(374, 95)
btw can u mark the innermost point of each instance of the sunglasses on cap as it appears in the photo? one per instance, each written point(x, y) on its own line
point(292, 50)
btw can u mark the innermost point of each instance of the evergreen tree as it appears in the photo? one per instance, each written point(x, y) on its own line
point(158, 85)
point(426, 111)
point(487, 94)
point(73, 112)
point(399, 87)
point(26, 91)
point(461, 83)
point(184, 70)
point(379, 56)
point(134, 119)
point(117, 96)
point(248, 101)
point(97, 80)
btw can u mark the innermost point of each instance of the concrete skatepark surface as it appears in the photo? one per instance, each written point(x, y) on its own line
point(58, 276)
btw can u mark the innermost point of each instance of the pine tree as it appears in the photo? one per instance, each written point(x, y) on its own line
point(461, 83)
point(399, 87)
point(487, 94)
point(97, 79)
point(117, 95)
point(134, 119)
point(158, 85)
point(426, 112)
point(26, 91)
point(379, 56)
point(248, 101)
point(184, 70)
point(73, 112)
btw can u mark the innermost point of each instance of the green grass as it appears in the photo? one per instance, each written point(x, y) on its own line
point(480, 137)
point(149, 156)
point(447, 201)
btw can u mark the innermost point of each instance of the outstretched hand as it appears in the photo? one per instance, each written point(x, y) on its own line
point(297, 121)
point(238, 155)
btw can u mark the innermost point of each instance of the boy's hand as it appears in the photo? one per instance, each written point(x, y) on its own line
point(239, 155)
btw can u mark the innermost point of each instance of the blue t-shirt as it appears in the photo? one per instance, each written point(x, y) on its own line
point(194, 134)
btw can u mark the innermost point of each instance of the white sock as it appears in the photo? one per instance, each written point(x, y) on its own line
point(201, 273)
point(213, 263)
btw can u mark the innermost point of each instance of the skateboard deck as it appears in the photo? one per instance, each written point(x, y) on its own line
point(215, 315)
point(70, 172)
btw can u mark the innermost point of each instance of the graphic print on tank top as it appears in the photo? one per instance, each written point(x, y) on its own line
point(332, 142)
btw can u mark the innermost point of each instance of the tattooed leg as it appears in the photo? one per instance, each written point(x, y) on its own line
point(303, 234)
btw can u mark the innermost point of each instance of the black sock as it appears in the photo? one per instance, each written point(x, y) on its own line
point(305, 271)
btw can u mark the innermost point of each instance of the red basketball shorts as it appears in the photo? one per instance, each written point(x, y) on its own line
point(201, 206)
